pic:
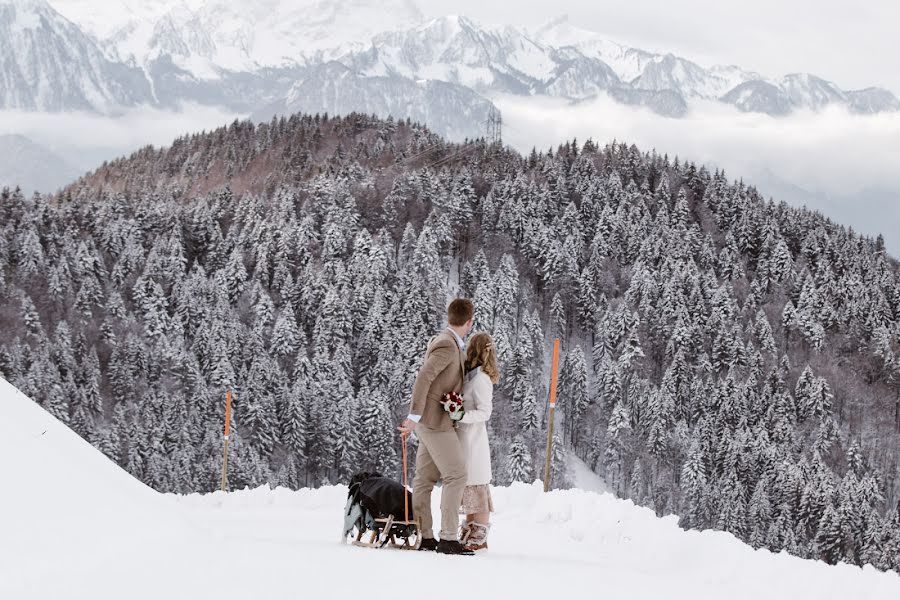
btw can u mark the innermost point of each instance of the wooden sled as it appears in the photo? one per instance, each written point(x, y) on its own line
point(391, 533)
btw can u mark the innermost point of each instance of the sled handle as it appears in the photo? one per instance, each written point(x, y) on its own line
point(405, 493)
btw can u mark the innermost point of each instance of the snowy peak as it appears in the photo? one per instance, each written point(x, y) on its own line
point(759, 97)
point(746, 89)
point(577, 76)
point(672, 73)
point(458, 50)
point(645, 70)
point(805, 91)
point(181, 34)
point(809, 91)
point(50, 64)
point(628, 63)
point(872, 100)
point(203, 36)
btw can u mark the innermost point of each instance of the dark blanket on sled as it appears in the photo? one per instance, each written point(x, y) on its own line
point(382, 496)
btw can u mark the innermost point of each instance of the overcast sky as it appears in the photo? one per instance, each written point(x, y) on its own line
point(853, 44)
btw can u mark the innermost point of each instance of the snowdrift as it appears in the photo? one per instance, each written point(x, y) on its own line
point(74, 525)
point(68, 513)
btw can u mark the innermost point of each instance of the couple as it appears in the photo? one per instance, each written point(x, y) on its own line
point(453, 447)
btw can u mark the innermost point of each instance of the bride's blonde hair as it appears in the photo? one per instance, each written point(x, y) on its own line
point(481, 352)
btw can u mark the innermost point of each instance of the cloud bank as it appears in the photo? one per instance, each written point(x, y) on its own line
point(842, 164)
point(86, 139)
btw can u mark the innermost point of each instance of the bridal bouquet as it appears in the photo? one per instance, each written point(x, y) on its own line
point(453, 404)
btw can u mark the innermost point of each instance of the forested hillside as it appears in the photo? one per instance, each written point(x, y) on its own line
point(725, 358)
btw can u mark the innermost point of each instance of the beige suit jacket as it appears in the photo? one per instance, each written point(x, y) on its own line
point(443, 371)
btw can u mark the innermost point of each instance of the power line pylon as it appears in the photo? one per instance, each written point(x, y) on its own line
point(494, 127)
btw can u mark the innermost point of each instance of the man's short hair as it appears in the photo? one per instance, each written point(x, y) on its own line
point(460, 312)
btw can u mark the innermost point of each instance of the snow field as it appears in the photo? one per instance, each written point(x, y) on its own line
point(74, 525)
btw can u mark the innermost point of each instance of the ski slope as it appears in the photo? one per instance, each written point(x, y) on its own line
point(74, 525)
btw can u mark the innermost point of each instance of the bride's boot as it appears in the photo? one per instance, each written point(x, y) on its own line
point(464, 531)
point(478, 534)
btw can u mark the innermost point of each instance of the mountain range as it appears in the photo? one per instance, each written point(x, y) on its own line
point(272, 56)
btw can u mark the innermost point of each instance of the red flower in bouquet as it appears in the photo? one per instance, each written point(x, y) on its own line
point(453, 404)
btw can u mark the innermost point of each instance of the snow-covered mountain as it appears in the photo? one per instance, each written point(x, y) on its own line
point(502, 60)
point(748, 90)
point(48, 63)
point(872, 100)
point(645, 70)
point(32, 167)
point(454, 110)
point(205, 36)
point(458, 50)
point(759, 96)
point(253, 55)
point(110, 536)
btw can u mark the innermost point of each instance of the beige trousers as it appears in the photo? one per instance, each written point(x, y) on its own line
point(440, 456)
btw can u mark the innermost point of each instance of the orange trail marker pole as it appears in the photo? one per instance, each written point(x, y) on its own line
point(227, 432)
point(550, 415)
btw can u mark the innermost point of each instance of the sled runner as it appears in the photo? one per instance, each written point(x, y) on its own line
point(378, 512)
point(388, 532)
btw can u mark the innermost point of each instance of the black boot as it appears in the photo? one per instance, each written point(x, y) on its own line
point(428, 544)
point(453, 547)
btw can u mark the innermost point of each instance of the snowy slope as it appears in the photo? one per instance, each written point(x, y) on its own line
point(645, 70)
point(32, 167)
point(66, 511)
point(455, 111)
point(205, 35)
point(76, 526)
point(748, 90)
point(627, 62)
point(459, 50)
point(48, 63)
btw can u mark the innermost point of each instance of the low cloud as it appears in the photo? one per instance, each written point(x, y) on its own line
point(844, 165)
point(86, 139)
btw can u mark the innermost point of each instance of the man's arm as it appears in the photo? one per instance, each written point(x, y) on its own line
point(438, 360)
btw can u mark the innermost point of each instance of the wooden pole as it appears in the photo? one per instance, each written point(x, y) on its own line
point(227, 432)
point(550, 415)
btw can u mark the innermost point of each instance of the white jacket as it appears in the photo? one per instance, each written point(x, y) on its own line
point(478, 391)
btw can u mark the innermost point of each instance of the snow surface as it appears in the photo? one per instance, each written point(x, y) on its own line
point(74, 525)
point(584, 478)
point(27, 14)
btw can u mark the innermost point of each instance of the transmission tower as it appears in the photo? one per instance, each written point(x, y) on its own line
point(494, 127)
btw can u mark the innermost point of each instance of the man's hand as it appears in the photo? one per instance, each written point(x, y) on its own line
point(406, 427)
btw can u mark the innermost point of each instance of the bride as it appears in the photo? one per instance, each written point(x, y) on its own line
point(478, 389)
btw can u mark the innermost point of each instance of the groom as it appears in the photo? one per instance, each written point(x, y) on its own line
point(440, 455)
